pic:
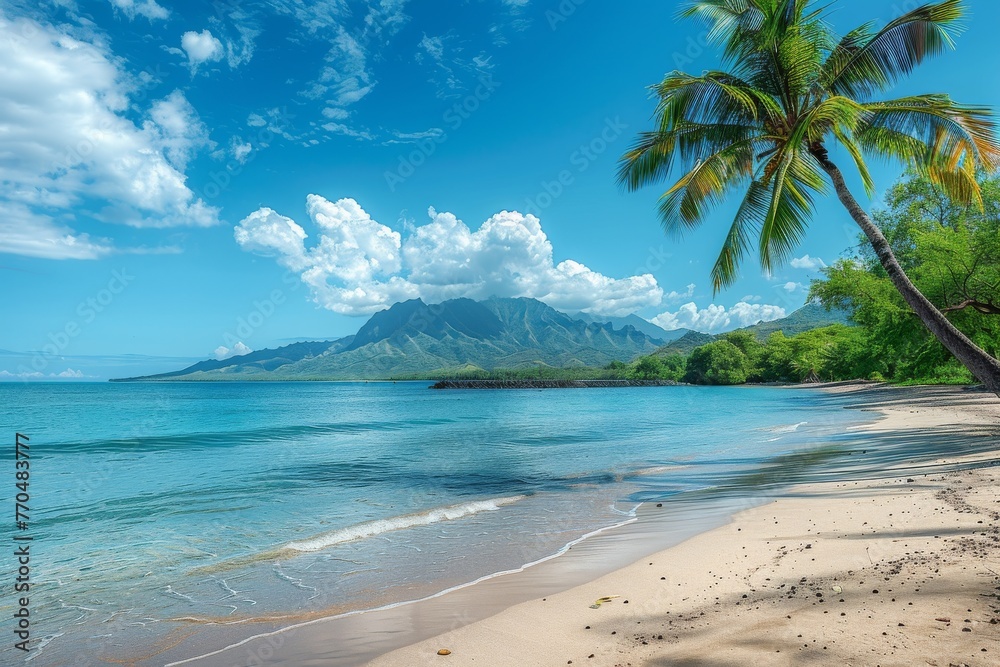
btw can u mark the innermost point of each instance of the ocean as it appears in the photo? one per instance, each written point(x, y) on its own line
point(158, 510)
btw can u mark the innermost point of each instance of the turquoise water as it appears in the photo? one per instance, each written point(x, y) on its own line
point(159, 506)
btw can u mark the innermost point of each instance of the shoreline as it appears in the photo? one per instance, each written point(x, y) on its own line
point(464, 606)
point(550, 384)
point(795, 590)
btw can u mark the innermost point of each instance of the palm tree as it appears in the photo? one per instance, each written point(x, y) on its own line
point(764, 128)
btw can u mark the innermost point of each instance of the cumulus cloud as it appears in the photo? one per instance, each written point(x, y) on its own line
point(175, 127)
point(222, 352)
point(201, 47)
point(62, 106)
point(715, 319)
point(359, 266)
point(808, 263)
point(792, 287)
point(146, 8)
point(675, 296)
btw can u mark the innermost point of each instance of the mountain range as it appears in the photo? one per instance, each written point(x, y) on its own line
point(413, 339)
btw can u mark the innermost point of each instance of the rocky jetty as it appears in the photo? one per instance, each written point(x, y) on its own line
point(547, 384)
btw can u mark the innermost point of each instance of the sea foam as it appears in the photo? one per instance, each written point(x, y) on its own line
point(378, 527)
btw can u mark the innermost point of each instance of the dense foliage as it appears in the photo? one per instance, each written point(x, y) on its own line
point(952, 254)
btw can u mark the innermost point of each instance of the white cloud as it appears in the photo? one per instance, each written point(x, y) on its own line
point(792, 287)
point(808, 263)
point(314, 15)
point(335, 113)
point(715, 319)
point(222, 352)
point(675, 296)
point(271, 234)
point(386, 17)
point(146, 8)
point(68, 374)
point(239, 149)
point(62, 106)
point(360, 266)
point(451, 70)
point(236, 17)
point(23, 232)
point(340, 128)
point(24, 376)
point(201, 47)
point(383, 18)
point(435, 134)
point(256, 120)
point(176, 129)
point(345, 78)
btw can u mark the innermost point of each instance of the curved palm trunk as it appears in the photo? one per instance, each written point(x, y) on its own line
point(982, 365)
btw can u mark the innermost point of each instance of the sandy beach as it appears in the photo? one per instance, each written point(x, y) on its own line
point(900, 570)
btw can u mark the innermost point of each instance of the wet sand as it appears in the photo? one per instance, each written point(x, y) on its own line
point(901, 569)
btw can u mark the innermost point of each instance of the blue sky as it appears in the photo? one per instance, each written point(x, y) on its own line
point(180, 177)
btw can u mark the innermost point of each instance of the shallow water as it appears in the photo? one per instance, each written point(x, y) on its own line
point(161, 507)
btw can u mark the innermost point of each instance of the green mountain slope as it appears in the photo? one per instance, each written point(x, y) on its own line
point(413, 338)
point(636, 322)
point(685, 344)
point(810, 316)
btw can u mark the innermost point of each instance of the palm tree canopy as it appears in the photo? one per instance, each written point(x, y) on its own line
point(792, 90)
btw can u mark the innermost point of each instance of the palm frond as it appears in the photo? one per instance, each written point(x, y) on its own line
point(731, 22)
point(943, 140)
point(864, 63)
point(715, 97)
point(689, 200)
point(794, 178)
point(655, 154)
point(847, 141)
point(746, 225)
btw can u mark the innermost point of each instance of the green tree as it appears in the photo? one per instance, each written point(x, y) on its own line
point(674, 366)
point(776, 360)
point(719, 362)
point(653, 367)
point(647, 368)
point(751, 348)
point(765, 128)
point(952, 253)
